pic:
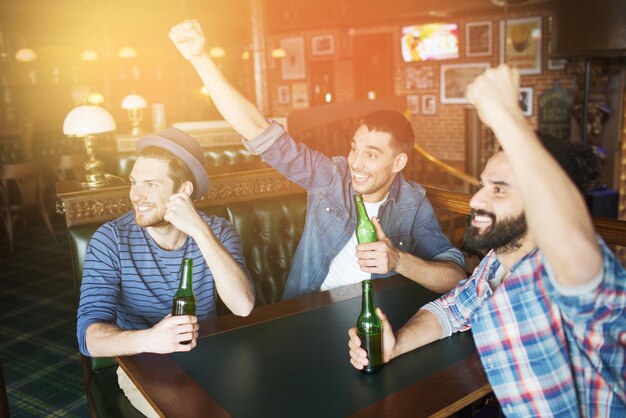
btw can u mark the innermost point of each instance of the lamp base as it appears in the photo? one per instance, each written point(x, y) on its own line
point(96, 180)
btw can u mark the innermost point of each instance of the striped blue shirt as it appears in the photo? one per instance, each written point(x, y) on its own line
point(130, 281)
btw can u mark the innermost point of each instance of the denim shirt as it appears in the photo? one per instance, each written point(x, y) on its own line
point(406, 216)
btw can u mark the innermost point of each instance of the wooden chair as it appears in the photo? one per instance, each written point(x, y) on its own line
point(21, 192)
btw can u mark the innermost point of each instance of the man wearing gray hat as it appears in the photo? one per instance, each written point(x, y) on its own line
point(133, 263)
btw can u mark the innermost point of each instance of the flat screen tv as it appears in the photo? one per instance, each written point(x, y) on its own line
point(432, 41)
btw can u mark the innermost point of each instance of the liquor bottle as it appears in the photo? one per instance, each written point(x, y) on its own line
point(365, 231)
point(369, 329)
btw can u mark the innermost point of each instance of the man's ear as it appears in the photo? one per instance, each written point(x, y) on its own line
point(187, 188)
point(400, 162)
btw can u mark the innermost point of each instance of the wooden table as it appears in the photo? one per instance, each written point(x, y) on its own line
point(291, 359)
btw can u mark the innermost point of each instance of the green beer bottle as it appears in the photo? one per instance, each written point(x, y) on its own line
point(365, 231)
point(184, 300)
point(369, 329)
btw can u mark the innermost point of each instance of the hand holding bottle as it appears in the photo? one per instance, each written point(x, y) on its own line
point(358, 355)
point(378, 257)
point(168, 335)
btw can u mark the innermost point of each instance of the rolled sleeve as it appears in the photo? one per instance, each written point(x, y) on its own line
point(436, 308)
point(452, 254)
point(261, 143)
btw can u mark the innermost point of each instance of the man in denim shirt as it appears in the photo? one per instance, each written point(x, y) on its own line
point(412, 243)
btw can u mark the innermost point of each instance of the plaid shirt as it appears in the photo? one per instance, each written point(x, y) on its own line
point(544, 353)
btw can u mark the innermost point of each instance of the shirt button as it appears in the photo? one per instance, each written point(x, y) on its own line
point(327, 209)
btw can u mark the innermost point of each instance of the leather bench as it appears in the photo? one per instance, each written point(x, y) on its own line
point(121, 163)
point(270, 229)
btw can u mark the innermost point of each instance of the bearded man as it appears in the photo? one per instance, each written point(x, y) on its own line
point(547, 304)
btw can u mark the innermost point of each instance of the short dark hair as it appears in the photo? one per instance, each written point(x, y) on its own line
point(177, 169)
point(579, 160)
point(395, 124)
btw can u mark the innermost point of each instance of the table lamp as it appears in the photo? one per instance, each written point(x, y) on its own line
point(89, 122)
point(135, 104)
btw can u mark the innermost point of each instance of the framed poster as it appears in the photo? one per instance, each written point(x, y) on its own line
point(429, 105)
point(478, 39)
point(526, 100)
point(556, 63)
point(420, 77)
point(456, 77)
point(293, 66)
point(299, 95)
point(322, 45)
point(413, 104)
point(520, 47)
point(284, 95)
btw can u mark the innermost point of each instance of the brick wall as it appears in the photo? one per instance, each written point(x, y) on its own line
point(441, 134)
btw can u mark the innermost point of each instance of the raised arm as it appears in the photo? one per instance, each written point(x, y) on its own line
point(238, 111)
point(555, 211)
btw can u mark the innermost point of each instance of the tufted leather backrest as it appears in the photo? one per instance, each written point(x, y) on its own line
point(270, 229)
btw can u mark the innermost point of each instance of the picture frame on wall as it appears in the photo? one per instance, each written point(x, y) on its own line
point(293, 66)
point(555, 63)
point(455, 78)
point(520, 47)
point(478, 39)
point(526, 100)
point(413, 104)
point(300, 95)
point(283, 94)
point(429, 104)
point(323, 45)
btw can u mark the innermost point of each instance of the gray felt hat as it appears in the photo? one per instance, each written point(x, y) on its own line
point(184, 147)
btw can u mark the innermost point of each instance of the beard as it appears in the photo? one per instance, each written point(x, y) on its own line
point(154, 220)
point(503, 236)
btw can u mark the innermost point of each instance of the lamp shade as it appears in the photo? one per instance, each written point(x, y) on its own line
point(279, 53)
point(89, 55)
point(25, 55)
point(217, 52)
point(127, 52)
point(88, 120)
point(95, 98)
point(134, 101)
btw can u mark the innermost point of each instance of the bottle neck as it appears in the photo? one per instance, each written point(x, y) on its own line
point(368, 296)
point(186, 276)
point(360, 208)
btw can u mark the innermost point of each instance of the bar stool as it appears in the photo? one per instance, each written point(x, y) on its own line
point(21, 192)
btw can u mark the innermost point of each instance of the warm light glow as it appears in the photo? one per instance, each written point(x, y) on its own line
point(89, 55)
point(127, 52)
point(25, 55)
point(204, 91)
point(328, 97)
point(245, 55)
point(279, 53)
point(371, 95)
point(88, 119)
point(217, 52)
point(134, 101)
point(95, 98)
